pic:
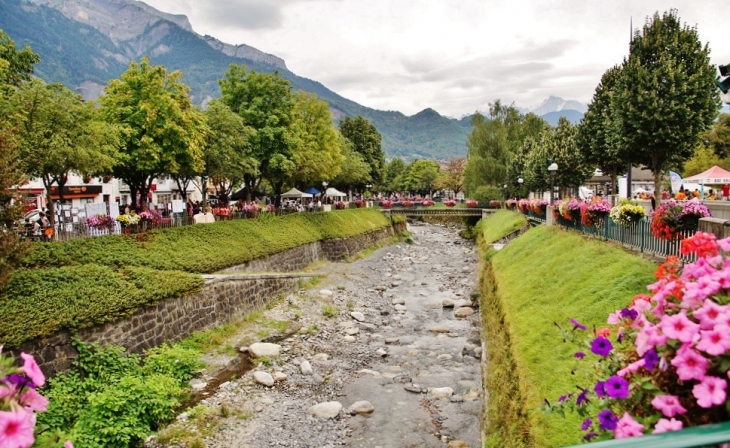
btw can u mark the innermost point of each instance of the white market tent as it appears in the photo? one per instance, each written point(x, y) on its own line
point(294, 193)
point(332, 192)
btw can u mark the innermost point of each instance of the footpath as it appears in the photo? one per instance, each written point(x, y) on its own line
point(387, 354)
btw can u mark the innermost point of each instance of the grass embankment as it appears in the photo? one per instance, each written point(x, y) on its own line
point(85, 282)
point(547, 275)
point(499, 225)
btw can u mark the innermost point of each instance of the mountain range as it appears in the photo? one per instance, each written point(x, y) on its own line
point(85, 43)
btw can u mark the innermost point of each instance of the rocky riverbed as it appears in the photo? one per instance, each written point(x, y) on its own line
point(387, 354)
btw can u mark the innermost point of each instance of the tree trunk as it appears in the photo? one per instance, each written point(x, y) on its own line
point(657, 186)
point(614, 192)
point(47, 182)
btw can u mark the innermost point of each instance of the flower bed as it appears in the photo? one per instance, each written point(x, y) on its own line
point(627, 212)
point(450, 203)
point(495, 204)
point(100, 222)
point(472, 204)
point(663, 361)
point(386, 204)
point(428, 203)
point(595, 211)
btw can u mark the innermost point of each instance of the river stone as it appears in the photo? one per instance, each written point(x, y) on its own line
point(321, 356)
point(349, 338)
point(264, 378)
point(401, 308)
point(391, 341)
point(395, 284)
point(457, 444)
point(399, 301)
point(439, 328)
point(329, 409)
point(197, 384)
point(325, 292)
point(362, 407)
point(464, 312)
point(381, 288)
point(279, 376)
point(447, 303)
point(352, 331)
point(358, 316)
point(442, 392)
point(260, 349)
point(306, 368)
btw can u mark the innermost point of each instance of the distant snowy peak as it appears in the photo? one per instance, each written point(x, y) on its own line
point(557, 104)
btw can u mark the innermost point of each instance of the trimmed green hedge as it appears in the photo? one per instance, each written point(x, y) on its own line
point(86, 282)
point(210, 247)
point(545, 276)
point(38, 302)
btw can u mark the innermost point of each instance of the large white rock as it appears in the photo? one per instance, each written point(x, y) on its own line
point(464, 312)
point(306, 368)
point(259, 349)
point(442, 392)
point(329, 409)
point(279, 376)
point(358, 316)
point(362, 407)
point(439, 328)
point(264, 378)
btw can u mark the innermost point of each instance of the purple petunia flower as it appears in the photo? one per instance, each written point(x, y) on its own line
point(580, 355)
point(564, 397)
point(589, 436)
point(582, 397)
point(600, 389)
point(620, 336)
point(650, 359)
point(617, 387)
point(19, 381)
point(607, 420)
point(601, 346)
point(629, 313)
point(577, 325)
point(587, 423)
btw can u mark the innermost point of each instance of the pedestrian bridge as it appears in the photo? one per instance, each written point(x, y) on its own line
point(433, 211)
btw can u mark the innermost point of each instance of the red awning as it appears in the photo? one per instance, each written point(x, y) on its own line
point(713, 176)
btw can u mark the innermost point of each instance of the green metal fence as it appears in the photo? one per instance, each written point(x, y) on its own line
point(698, 436)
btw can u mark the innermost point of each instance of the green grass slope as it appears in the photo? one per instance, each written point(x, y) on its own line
point(547, 275)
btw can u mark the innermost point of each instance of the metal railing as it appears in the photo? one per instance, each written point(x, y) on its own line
point(636, 236)
point(699, 436)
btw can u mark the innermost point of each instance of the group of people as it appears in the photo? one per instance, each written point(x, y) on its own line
point(39, 228)
point(709, 195)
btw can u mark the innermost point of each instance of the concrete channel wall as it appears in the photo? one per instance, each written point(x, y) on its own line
point(223, 298)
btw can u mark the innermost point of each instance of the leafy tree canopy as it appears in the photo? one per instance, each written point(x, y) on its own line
point(366, 140)
point(422, 176)
point(354, 169)
point(162, 132)
point(16, 66)
point(666, 96)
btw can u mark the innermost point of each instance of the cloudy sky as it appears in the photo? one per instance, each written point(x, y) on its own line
point(453, 56)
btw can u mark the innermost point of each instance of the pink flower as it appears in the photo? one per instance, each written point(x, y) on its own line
point(34, 401)
point(690, 364)
point(648, 338)
point(724, 244)
point(709, 314)
point(614, 318)
point(32, 370)
point(679, 327)
point(16, 429)
point(7, 389)
point(664, 425)
point(668, 404)
point(628, 427)
point(710, 391)
point(68, 444)
point(631, 368)
point(715, 341)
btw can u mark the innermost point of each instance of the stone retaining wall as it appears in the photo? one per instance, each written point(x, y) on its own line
point(221, 300)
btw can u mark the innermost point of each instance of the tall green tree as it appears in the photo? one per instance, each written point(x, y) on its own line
point(666, 96)
point(59, 134)
point(703, 159)
point(537, 160)
point(367, 141)
point(598, 136)
point(394, 175)
point(162, 131)
point(266, 104)
point(354, 170)
point(718, 138)
point(16, 66)
point(422, 175)
point(452, 176)
point(573, 170)
point(319, 153)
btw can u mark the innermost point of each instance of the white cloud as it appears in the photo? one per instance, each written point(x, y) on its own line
point(454, 57)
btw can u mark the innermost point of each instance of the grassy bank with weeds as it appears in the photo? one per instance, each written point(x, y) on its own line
point(500, 224)
point(545, 276)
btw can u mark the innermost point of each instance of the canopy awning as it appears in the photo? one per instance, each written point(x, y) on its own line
point(294, 193)
point(314, 191)
point(713, 176)
point(332, 192)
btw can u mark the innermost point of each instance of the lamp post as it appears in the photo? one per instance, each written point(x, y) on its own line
point(505, 191)
point(324, 189)
point(552, 168)
point(520, 181)
point(204, 183)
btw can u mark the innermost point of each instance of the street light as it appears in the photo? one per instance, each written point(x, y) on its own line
point(552, 168)
point(520, 181)
point(505, 191)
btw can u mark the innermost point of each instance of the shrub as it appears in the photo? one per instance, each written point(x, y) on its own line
point(486, 193)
